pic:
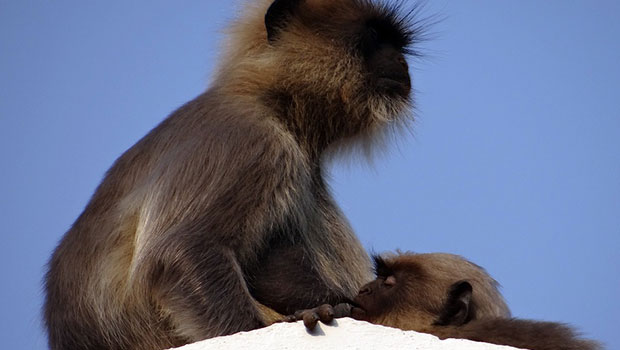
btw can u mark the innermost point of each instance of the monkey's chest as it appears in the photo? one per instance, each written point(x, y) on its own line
point(286, 280)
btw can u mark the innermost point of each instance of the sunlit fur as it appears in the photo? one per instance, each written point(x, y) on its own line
point(220, 220)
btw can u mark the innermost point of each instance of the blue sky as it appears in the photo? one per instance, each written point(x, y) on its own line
point(514, 161)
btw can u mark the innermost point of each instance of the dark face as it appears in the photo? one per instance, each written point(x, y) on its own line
point(374, 299)
point(383, 47)
point(381, 36)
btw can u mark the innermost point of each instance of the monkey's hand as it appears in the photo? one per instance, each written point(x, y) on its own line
point(324, 313)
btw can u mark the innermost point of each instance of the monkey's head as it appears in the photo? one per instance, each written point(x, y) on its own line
point(329, 69)
point(414, 291)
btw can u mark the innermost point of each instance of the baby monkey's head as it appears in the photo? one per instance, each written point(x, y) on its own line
point(415, 291)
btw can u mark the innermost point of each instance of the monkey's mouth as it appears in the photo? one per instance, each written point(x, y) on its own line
point(357, 311)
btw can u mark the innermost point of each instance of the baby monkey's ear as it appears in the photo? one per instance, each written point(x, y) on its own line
point(456, 309)
point(277, 16)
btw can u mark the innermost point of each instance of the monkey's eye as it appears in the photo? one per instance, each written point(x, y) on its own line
point(380, 32)
point(369, 42)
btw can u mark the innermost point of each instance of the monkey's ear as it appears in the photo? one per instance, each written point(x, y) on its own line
point(456, 310)
point(277, 15)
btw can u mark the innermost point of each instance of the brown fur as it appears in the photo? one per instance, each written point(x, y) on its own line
point(219, 220)
point(448, 296)
point(421, 291)
point(523, 334)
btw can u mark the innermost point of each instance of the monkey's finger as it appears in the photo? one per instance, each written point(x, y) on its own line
point(310, 320)
point(342, 310)
point(289, 318)
point(326, 313)
point(299, 314)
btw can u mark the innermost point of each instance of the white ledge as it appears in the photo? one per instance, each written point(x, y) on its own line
point(342, 334)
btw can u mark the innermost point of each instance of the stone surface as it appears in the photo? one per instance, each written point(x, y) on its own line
point(343, 334)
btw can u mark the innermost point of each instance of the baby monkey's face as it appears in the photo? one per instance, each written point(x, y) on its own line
point(374, 298)
point(399, 297)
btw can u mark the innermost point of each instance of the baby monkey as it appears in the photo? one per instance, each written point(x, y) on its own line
point(449, 297)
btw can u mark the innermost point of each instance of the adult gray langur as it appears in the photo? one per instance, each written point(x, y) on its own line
point(219, 220)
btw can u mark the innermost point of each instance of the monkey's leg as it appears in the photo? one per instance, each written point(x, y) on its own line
point(270, 315)
point(204, 292)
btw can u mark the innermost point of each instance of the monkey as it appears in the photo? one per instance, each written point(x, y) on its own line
point(425, 280)
point(220, 219)
point(449, 297)
point(438, 271)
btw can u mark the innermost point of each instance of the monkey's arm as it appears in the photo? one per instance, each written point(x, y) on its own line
point(204, 220)
point(204, 293)
point(525, 334)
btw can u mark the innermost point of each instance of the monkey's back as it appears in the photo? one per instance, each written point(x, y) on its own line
point(96, 297)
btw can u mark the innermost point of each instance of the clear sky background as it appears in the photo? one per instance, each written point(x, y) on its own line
point(514, 161)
